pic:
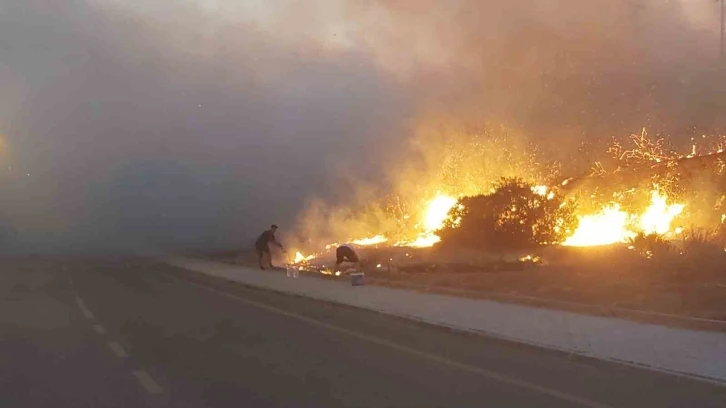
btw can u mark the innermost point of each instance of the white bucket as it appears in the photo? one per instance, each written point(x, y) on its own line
point(357, 279)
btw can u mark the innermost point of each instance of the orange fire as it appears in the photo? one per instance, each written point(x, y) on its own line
point(462, 167)
point(436, 213)
point(608, 226)
point(612, 225)
point(300, 258)
point(375, 240)
point(432, 219)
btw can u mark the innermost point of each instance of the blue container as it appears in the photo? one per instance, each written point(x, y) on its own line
point(356, 279)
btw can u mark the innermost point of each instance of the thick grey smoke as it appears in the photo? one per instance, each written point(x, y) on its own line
point(560, 68)
point(122, 128)
point(197, 123)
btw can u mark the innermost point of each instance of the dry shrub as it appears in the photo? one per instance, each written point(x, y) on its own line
point(697, 256)
point(512, 217)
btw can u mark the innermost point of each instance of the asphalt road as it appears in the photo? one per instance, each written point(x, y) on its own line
point(133, 333)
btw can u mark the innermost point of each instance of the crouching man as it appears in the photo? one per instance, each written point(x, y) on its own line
point(347, 253)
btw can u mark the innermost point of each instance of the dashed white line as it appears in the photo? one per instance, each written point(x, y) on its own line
point(147, 382)
point(144, 379)
point(86, 313)
point(117, 349)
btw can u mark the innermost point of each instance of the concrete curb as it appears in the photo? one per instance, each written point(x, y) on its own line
point(645, 316)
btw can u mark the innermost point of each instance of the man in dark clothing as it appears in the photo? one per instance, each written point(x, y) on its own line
point(346, 252)
point(262, 245)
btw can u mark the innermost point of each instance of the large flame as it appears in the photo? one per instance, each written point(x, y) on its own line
point(432, 220)
point(438, 211)
point(612, 224)
point(658, 216)
point(606, 227)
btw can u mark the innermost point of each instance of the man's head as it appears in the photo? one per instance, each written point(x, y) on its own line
point(273, 227)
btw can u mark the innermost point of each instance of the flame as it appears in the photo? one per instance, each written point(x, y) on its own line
point(299, 257)
point(378, 239)
point(433, 218)
point(541, 190)
point(606, 227)
point(438, 212)
point(420, 200)
point(544, 191)
point(530, 258)
point(612, 224)
point(658, 217)
point(422, 241)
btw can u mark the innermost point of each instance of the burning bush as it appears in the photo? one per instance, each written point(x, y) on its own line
point(516, 215)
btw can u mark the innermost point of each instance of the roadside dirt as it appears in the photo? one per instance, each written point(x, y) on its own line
point(608, 281)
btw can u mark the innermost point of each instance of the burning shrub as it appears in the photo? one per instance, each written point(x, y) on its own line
point(516, 215)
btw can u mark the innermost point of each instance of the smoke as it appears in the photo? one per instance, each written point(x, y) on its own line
point(528, 89)
point(559, 68)
point(553, 67)
point(125, 126)
point(200, 122)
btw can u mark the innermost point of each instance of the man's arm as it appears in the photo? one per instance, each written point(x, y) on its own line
point(274, 241)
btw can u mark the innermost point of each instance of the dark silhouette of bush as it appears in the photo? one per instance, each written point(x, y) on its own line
point(649, 245)
point(512, 217)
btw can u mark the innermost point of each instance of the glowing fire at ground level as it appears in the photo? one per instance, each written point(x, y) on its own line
point(613, 225)
point(610, 225)
point(437, 212)
point(698, 176)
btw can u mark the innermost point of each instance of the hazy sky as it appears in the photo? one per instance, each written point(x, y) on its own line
point(199, 122)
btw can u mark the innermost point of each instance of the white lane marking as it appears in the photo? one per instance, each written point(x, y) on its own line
point(147, 382)
point(431, 357)
point(86, 313)
point(117, 349)
point(99, 329)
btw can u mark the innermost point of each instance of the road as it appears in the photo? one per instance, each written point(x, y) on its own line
point(120, 332)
